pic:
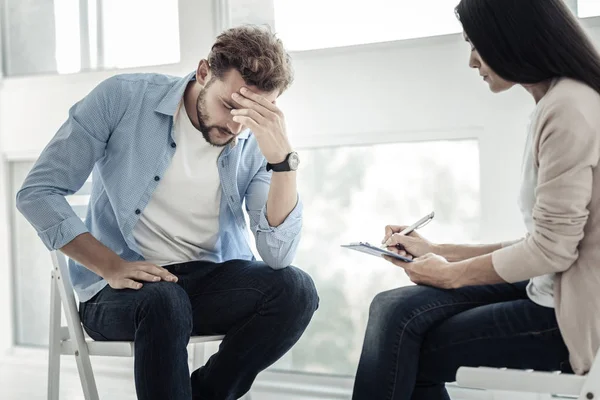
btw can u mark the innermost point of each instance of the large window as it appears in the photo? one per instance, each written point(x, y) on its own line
point(351, 194)
point(66, 36)
point(317, 24)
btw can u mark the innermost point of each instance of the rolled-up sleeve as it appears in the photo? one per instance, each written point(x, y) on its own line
point(567, 151)
point(277, 246)
point(66, 163)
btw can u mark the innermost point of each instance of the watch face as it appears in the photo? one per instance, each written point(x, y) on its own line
point(294, 161)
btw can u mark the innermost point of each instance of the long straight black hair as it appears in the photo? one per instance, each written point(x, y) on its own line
point(530, 41)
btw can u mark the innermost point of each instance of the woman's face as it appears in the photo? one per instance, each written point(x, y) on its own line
point(495, 82)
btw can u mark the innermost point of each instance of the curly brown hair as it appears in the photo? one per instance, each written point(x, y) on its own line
point(256, 53)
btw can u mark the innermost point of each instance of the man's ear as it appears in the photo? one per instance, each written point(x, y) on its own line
point(203, 72)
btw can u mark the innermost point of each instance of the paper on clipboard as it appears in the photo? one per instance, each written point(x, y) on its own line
point(367, 248)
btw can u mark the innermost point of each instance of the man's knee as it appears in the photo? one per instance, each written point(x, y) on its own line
point(167, 307)
point(298, 293)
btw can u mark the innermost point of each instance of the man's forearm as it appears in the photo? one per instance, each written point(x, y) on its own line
point(460, 252)
point(91, 253)
point(283, 196)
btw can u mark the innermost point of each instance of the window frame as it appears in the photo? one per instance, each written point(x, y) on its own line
point(85, 45)
point(3, 39)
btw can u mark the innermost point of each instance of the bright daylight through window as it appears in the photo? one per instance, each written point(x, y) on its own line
point(352, 196)
point(345, 23)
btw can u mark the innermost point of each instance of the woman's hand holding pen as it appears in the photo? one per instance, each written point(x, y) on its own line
point(412, 244)
point(427, 267)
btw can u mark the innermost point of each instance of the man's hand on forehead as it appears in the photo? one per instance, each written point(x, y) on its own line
point(248, 99)
point(265, 120)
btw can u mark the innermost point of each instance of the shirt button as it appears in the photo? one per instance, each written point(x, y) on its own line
point(157, 178)
point(173, 145)
point(138, 211)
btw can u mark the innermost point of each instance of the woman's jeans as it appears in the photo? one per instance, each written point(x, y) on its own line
point(418, 337)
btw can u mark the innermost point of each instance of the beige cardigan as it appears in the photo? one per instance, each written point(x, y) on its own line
point(566, 215)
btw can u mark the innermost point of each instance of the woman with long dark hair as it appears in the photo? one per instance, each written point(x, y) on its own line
point(532, 303)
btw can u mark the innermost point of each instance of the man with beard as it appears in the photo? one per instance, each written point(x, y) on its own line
point(164, 253)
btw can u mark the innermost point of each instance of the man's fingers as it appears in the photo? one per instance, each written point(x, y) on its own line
point(131, 284)
point(247, 122)
point(248, 103)
point(260, 100)
point(159, 271)
point(246, 112)
point(144, 276)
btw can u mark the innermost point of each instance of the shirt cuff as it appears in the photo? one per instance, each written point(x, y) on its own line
point(59, 235)
point(289, 229)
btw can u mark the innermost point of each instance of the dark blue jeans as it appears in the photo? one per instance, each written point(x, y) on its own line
point(418, 337)
point(262, 313)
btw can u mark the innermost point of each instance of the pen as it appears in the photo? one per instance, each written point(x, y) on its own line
point(420, 223)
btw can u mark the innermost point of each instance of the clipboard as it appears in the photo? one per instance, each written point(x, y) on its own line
point(367, 248)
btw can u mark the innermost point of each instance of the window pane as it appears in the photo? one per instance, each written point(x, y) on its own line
point(68, 39)
point(66, 36)
point(351, 194)
point(138, 32)
point(588, 8)
point(32, 265)
point(28, 37)
point(343, 23)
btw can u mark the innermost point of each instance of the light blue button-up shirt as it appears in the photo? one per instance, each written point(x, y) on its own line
point(122, 133)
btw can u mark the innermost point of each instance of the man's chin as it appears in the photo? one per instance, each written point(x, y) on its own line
point(218, 139)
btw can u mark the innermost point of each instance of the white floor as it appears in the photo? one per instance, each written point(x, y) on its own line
point(24, 377)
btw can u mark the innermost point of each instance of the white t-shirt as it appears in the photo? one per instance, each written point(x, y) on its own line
point(181, 221)
point(541, 288)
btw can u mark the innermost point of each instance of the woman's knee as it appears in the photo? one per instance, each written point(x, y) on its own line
point(403, 301)
point(402, 306)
